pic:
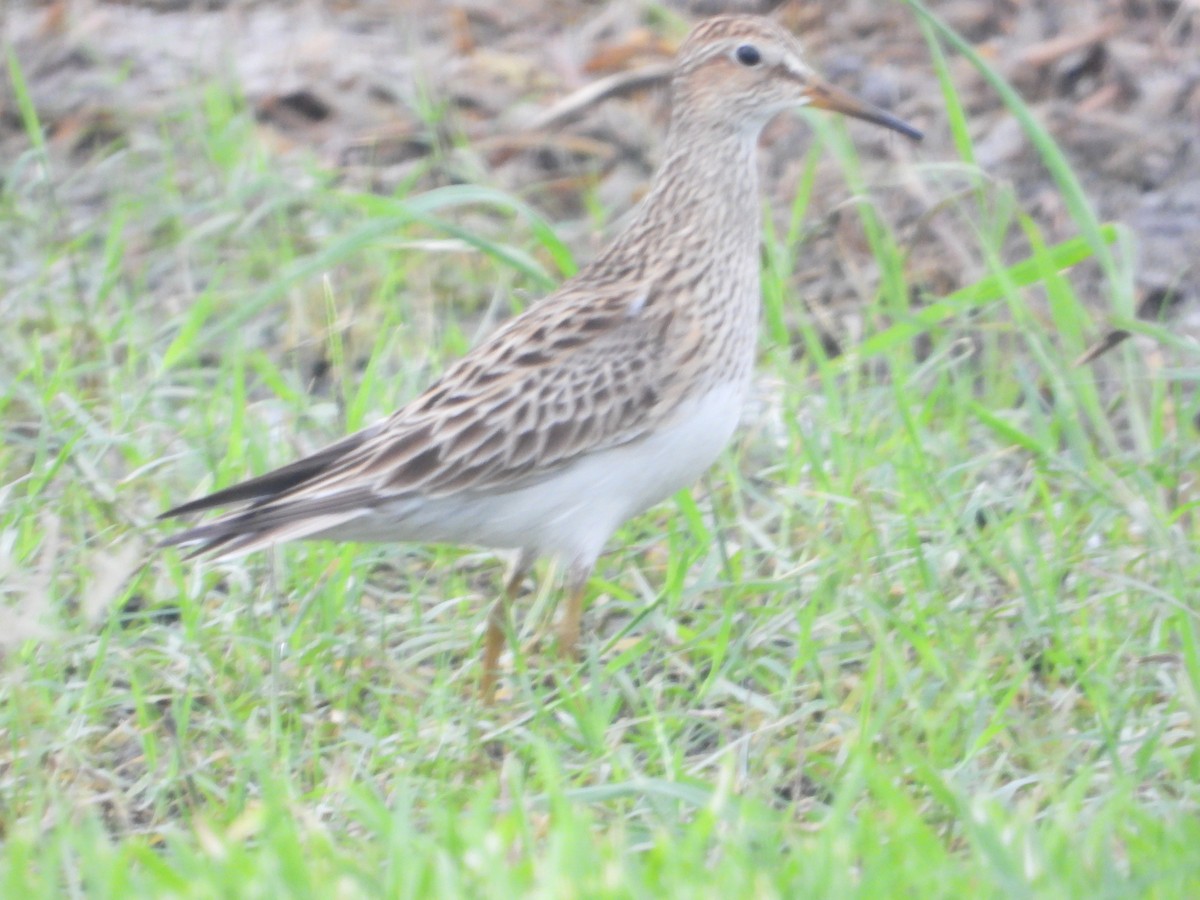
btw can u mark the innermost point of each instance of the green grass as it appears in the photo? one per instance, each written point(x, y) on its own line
point(928, 629)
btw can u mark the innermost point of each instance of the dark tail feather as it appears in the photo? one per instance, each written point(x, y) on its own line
point(269, 520)
point(207, 538)
point(242, 532)
point(272, 484)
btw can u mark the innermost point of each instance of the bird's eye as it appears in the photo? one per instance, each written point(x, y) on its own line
point(748, 55)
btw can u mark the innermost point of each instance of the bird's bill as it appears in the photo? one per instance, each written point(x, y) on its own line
point(822, 95)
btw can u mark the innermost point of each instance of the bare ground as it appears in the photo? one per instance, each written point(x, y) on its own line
point(1117, 84)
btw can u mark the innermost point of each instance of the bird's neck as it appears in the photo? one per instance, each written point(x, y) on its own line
point(709, 183)
point(700, 219)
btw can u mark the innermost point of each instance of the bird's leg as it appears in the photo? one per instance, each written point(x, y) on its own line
point(497, 624)
point(568, 627)
point(493, 641)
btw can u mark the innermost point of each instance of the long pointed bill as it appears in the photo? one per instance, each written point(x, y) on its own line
point(822, 95)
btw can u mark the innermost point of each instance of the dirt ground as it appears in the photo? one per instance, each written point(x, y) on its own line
point(1116, 81)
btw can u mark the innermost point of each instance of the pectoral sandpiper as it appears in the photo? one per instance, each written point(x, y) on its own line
point(597, 402)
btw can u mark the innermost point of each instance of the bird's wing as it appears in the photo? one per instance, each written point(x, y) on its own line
point(565, 378)
point(581, 371)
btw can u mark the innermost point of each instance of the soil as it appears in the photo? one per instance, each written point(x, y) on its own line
point(357, 84)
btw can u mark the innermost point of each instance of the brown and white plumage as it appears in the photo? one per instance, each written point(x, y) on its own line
point(602, 399)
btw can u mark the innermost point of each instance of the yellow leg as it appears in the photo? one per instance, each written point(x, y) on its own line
point(568, 627)
point(493, 641)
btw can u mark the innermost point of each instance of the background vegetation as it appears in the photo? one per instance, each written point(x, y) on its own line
point(929, 628)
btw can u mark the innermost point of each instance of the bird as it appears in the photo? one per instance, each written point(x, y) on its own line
point(598, 401)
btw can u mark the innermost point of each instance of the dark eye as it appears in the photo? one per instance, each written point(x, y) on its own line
point(748, 55)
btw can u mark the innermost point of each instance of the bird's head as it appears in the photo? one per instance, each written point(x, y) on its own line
point(740, 71)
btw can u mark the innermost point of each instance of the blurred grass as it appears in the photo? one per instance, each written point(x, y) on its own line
point(928, 629)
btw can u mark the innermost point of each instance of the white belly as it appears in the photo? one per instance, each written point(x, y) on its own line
point(571, 514)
